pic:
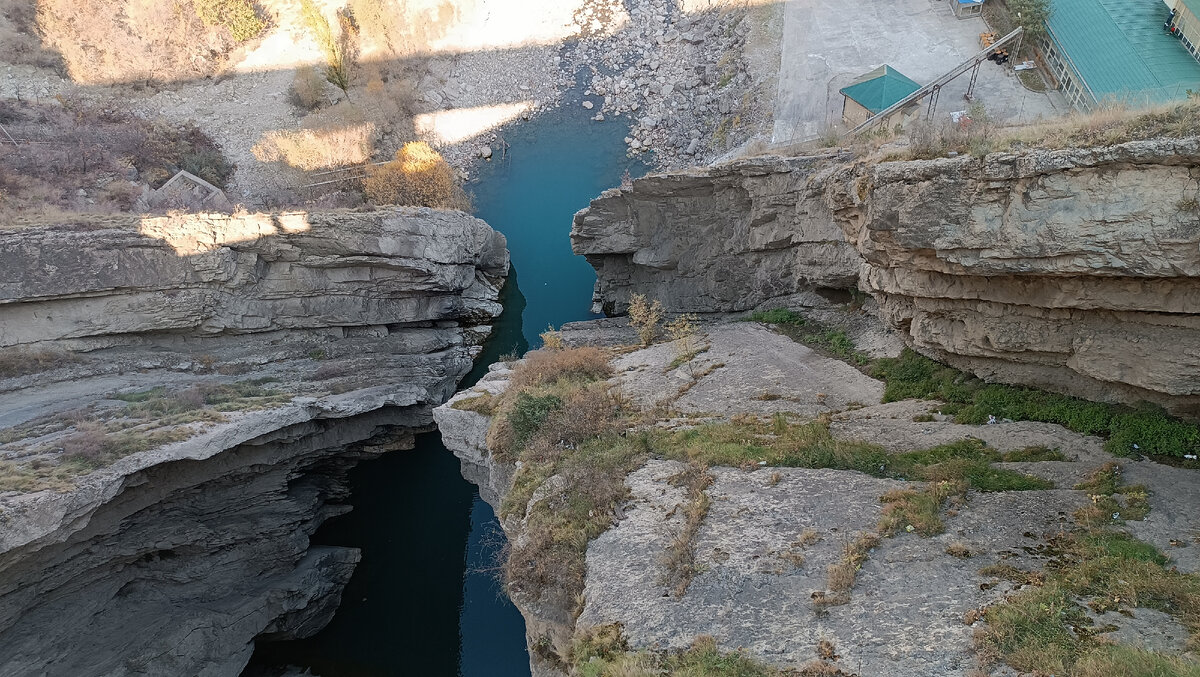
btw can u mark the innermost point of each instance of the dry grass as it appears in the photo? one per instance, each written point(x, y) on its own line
point(322, 147)
point(917, 511)
point(419, 176)
point(542, 367)
point(644, 317)
point(308, 89)
point(559, 419)
point(551, 338)
point(808, 537)
point(1044, 628)
point(482, 404)
point(843, 573)
point(81, 146)
point(19, 40)
point(239, 17)
point(22, 361)
point(98, 436)
point(604, 652)
point(958, 549)
point(679, 560)
point(110, 41)
point(1110, 125)
point(91, 446)
point(1103, 486)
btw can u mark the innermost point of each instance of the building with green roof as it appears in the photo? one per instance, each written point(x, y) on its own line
point(1118, 50)
point(872, 93)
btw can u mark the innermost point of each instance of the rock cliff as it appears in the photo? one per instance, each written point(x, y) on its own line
point(1073, 270)
point(718, 239)
point(765, 539)
point(180, 398)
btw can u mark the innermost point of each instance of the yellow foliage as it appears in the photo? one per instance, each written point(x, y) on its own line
point(320, 148)
point(236, 15)
point(418, 176)
point(644, 316)
point(552, 338)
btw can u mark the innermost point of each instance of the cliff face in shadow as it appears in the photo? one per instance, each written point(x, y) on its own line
point(717, 239)
point(1074, 270)
point(180, 398)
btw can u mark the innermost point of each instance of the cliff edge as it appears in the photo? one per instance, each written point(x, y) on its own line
point(181, 397)
point(1073, 270)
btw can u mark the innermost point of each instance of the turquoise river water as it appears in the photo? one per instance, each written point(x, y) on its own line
point(425, 600)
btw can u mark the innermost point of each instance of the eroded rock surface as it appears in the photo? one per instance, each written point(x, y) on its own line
point(1073, 270)
point(763, 548)
point(719, 239)
point(345, 328)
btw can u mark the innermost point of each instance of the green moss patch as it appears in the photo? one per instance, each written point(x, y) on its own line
point(1129, 431)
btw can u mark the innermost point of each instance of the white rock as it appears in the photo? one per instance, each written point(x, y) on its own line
point(587, 104)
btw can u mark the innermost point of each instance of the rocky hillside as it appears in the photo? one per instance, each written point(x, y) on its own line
point(1073, 270)
point(737, 500)
point(180, 398)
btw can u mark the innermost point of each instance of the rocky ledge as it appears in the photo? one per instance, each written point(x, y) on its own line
point(180, 398)
point(1073, 270)
point(800, 561)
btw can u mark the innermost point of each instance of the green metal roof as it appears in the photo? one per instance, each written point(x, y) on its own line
point(880, 88)
point(1120, 50)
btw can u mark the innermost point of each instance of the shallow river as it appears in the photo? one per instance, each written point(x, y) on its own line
point(425, 599)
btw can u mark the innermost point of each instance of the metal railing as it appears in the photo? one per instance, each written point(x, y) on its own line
point(935, 87)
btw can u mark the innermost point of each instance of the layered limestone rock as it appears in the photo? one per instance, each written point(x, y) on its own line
point(765, 544)
point(549, 621)
point(718, 239)
point(1073, 270)
point(276, 350)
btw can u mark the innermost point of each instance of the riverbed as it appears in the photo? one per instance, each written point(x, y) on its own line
point(426, 599)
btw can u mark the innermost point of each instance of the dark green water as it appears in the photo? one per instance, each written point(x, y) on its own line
point(425, 599)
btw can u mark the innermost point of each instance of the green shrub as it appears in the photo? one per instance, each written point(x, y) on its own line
point(810, 333)
point(1045, 627)
point(209, 164)
point(236, 15)
point(1146, 430)
point(528, 414)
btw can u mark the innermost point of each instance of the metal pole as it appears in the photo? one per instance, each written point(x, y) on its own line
point(974, 75)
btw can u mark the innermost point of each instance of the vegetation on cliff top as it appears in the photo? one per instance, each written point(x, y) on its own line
point(115, 41)
point(835, 342)
point(971, 400)
point(55, 450)
point(89, 159)
point(603, 652)
point(575, 440)
point(1130, 431)
point(1046, 628)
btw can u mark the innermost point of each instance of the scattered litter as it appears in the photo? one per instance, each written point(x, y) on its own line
point(1135, 446)
point(1190, 457)
point(909, 528)
point(762, 462)
point(991, 419)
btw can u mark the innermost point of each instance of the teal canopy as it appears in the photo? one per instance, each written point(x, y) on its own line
point(878, 90)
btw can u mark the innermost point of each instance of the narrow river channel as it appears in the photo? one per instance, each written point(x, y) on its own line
point(425, 600)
